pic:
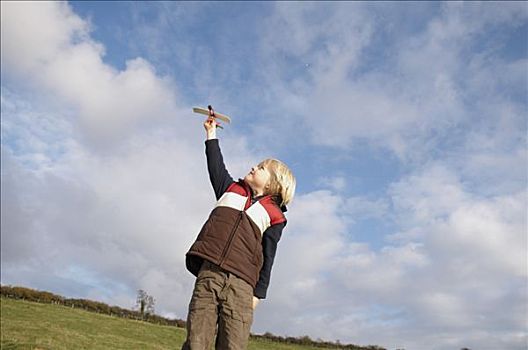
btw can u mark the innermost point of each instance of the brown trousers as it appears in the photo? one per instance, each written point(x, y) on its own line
point(221, 303)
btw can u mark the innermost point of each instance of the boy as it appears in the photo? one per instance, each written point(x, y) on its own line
point(233, 253)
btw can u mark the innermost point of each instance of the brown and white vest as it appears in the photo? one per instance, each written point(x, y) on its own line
point(232, 235)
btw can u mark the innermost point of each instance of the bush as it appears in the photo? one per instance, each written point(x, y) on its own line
point(88, 305)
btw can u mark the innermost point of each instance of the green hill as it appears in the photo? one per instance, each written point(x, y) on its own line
point(31, 325)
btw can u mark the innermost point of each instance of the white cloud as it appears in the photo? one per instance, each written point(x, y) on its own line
point(63, 61)
point(477, 247)
point(34, 34)
point(424, 88)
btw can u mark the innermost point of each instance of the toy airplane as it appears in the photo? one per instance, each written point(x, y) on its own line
point(210, 112)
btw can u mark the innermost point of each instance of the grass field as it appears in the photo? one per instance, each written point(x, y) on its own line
point(29, 325)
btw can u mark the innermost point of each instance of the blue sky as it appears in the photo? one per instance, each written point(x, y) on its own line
point(404, 123)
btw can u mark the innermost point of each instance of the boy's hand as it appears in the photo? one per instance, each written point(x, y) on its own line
point(210, 127)
point(255, 302)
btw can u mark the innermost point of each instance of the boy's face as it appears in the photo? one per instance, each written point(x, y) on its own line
point(257, 178)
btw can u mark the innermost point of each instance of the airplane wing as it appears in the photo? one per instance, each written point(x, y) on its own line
point(205, 111)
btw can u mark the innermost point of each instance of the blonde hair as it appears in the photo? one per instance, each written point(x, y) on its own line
point(282, 182)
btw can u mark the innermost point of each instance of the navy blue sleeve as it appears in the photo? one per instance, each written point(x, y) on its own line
point(270, 239)
point(218, 174)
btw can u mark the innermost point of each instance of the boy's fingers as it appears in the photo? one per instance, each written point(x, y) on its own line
point(210, 120)
point(255, 302)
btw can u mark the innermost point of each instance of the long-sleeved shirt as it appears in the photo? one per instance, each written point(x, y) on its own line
point(221, 180)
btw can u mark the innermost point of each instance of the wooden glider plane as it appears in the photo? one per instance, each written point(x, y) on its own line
point(209, 111)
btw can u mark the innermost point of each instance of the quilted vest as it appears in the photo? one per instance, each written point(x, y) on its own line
point(232, 235)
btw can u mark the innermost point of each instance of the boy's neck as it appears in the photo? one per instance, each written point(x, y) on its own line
point(256, 193)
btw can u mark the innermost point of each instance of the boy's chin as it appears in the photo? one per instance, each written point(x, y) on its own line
point(249, 181)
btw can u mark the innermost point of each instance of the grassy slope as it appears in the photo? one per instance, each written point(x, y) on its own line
point(28, 325)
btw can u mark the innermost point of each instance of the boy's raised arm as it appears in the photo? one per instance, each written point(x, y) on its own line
point(218, 174)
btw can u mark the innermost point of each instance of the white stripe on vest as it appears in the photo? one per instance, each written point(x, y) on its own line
point(259, 216)
point(257, 213)
point(232, 200)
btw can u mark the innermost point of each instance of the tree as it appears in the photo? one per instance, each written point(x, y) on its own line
point(145, 303)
